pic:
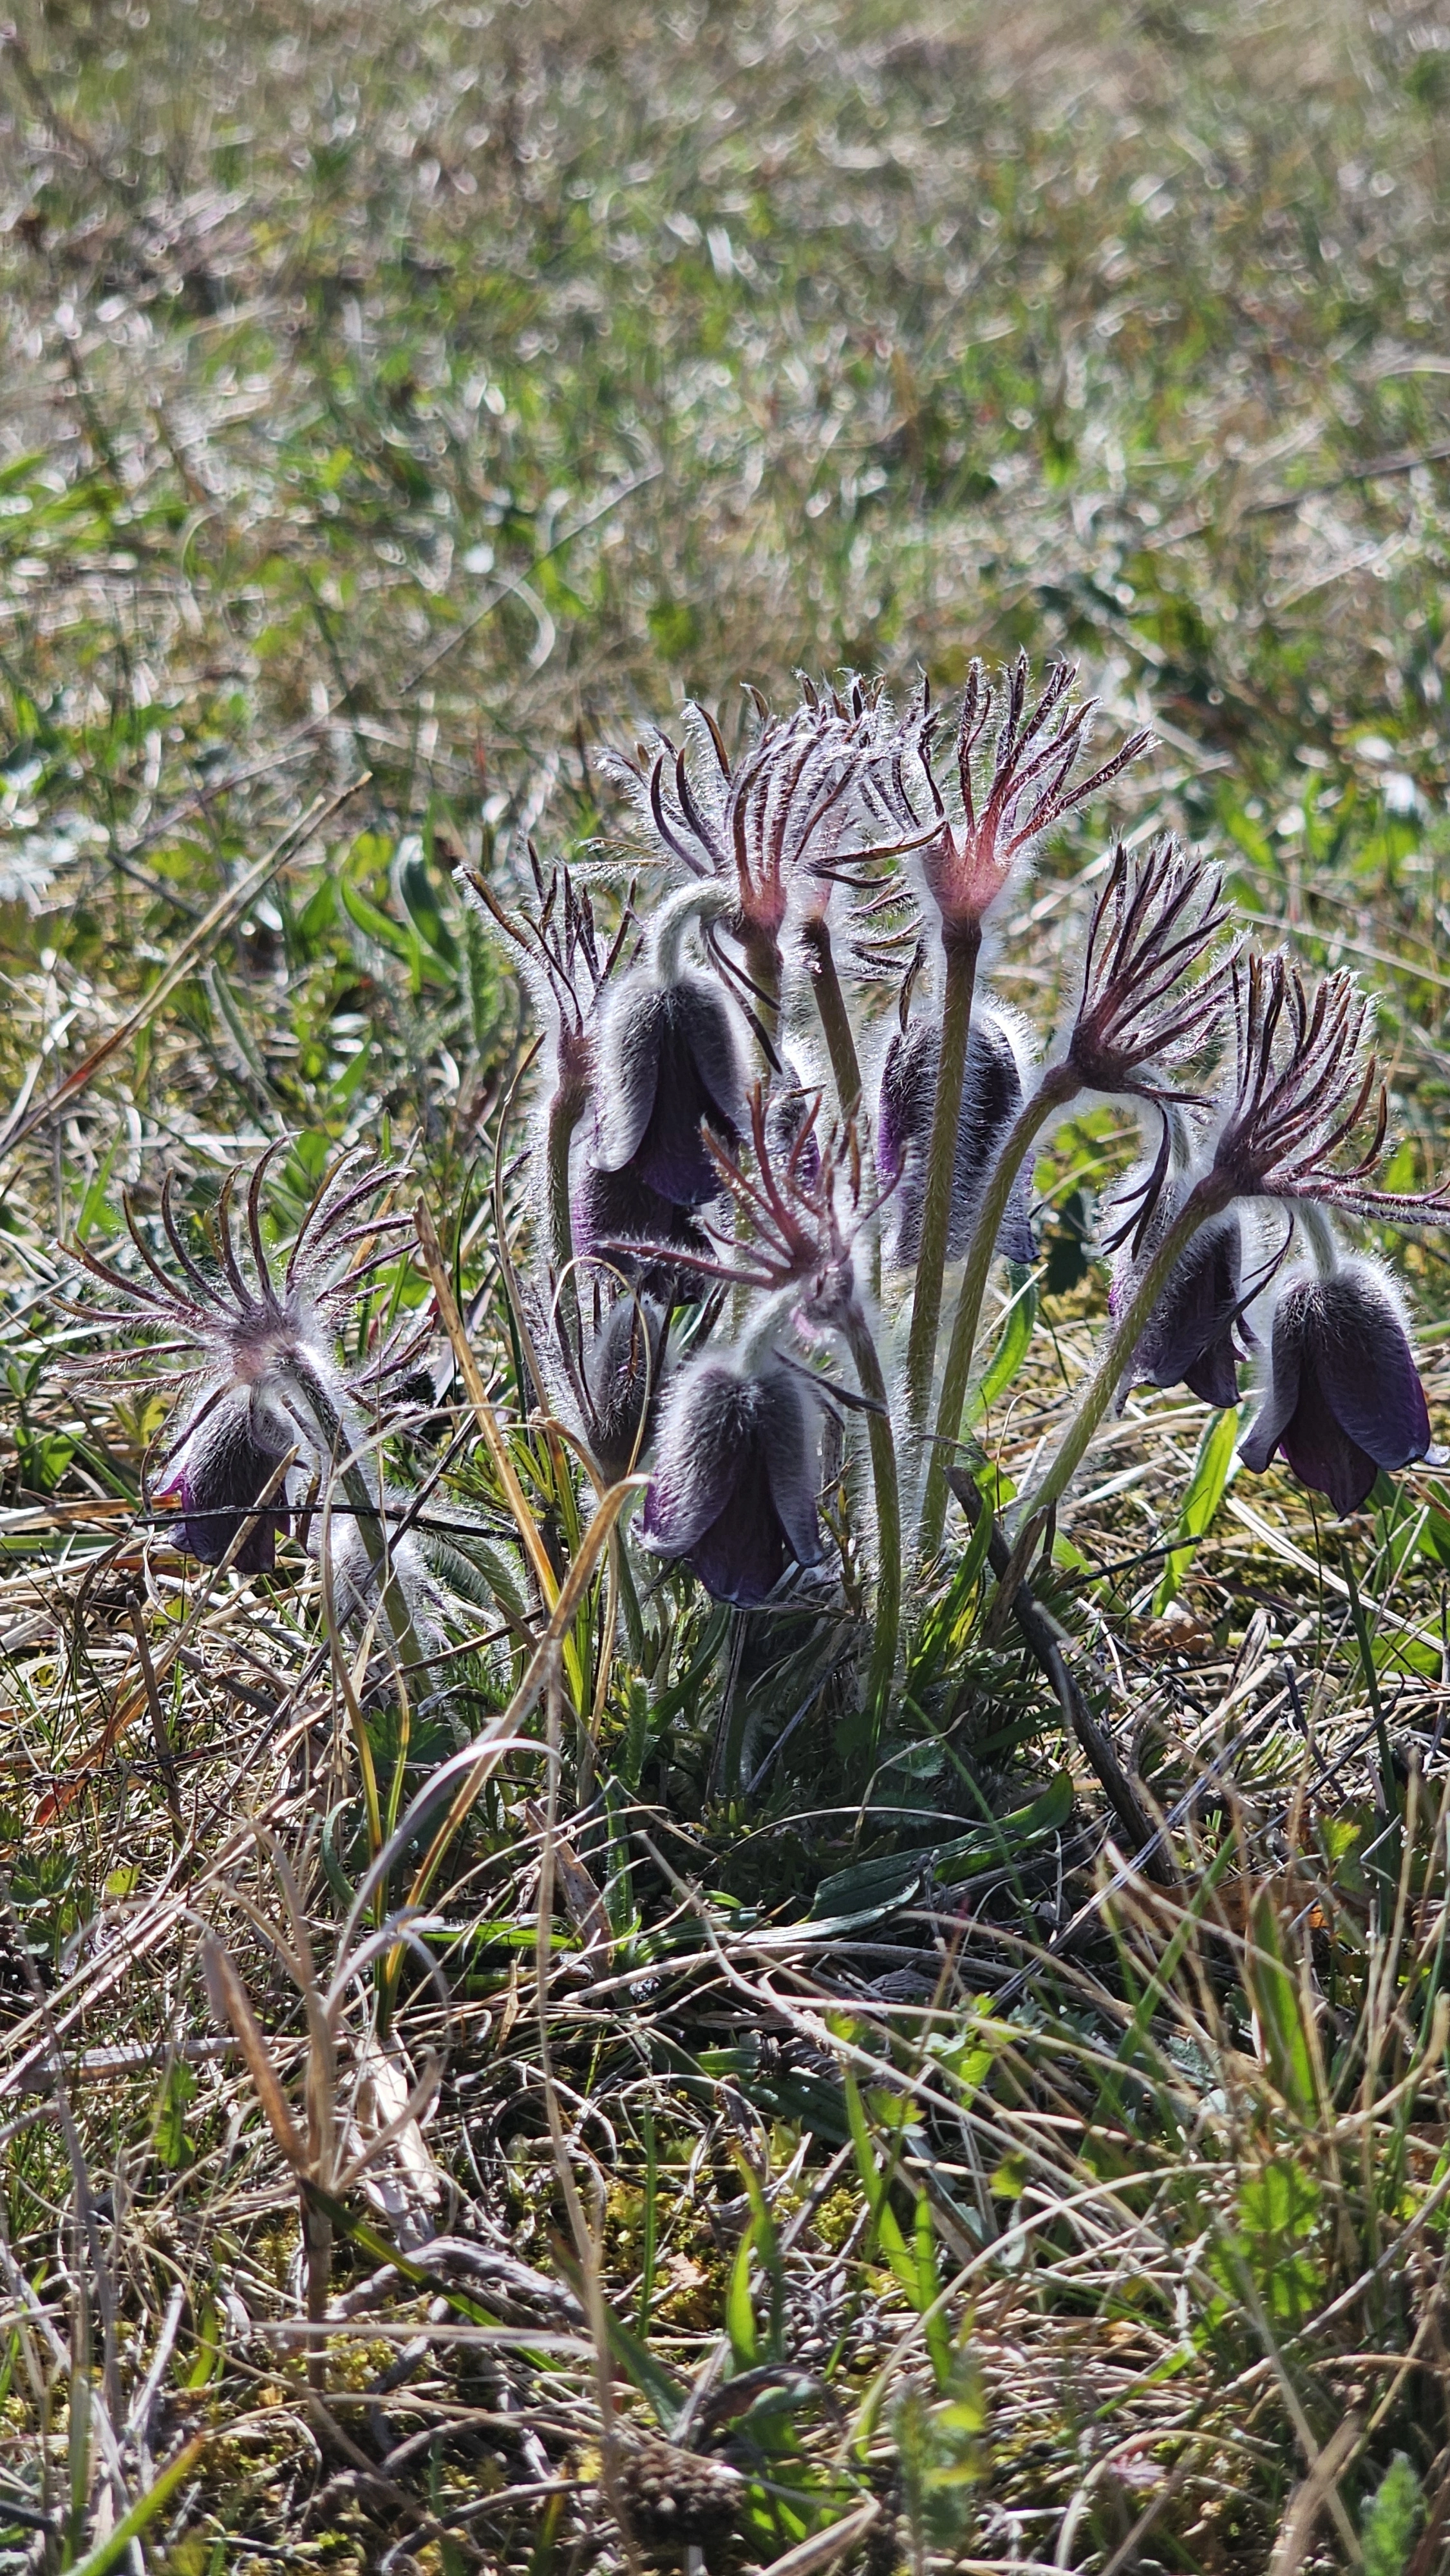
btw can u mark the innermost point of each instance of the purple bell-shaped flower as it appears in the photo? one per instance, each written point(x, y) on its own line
point(217, 1477)
point(618, 1218)
point(1189, 1338)
point(733, 1494)
point(668, 1067)
point(1343, 1397)
point(622, 1382)
point(991, 1098)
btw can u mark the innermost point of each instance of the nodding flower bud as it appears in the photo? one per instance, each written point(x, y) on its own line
point(623, 1382)
point(619, 1219)
point(733, 1493)
point(217, 1474)
point(257, 1354)
point(1189, 1338)
point(1343, 1396)
point(668, 1068)
point(991, 1098)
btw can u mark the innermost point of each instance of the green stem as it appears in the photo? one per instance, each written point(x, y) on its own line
point(1057, 1087)
point(1207, 1198)
point(867, 1364)
point(762, 964)
point(565, 1111)
point(833, 1015)
point(936, 1212)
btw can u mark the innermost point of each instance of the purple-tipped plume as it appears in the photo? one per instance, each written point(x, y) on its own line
point(733, 1494)
point(1157, 915)
point(1007, 802)
point(567, 964)
point(1343, 1397)
point(773, 818)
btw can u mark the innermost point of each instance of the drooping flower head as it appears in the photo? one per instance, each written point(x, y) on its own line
point(623, 1380)
point(250, 1355)
point(733, 1492)
point(669, 1066)
point(991, 1098)
point(1343, 1396)
point(1008, 800)
point(1190, 1338)
point(799, 1205)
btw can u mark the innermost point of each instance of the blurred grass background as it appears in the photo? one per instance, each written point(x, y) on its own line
point(439, 393)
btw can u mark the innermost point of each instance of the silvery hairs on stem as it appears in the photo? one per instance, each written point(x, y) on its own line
point(250, 1356)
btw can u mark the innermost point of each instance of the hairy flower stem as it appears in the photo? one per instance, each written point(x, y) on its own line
point(565, 1111)
point(366, 1510)
point(762, 964)
point(936, 1214)
point(1058, 1086)
point(832, 1013)
point(1207, 1198)
point(867, 1363)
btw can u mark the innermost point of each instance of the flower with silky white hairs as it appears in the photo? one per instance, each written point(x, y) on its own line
point(250, 1356)
point(991, 1098)
point(669, 1068)
point(1189, 1338)
point(733, 1493)
point(1343, 1396)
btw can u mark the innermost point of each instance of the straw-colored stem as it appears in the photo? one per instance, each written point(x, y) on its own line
point(833, 1015)
point(936, 1212)
point(1056, 1089)
point(1206, 1199)
point(867, 1363)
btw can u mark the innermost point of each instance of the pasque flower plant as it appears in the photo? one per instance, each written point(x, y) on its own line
point(784, 1132)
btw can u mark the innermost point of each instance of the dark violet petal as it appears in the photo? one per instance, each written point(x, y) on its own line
point(791, 1427)
point(1015, 1238)
point(624, 1373)
point(1320, 1452)
point(611, 1210)
point(904, 1105)
point(630, 1044)
point(1357, 1348)
point(217, 1479)
point(705, 1031)
point(741, 1557)
point(991, 1098)
point(709, 1439)
point(678, 1071)
point(1214, 1375)
point(1282, 1393)
point(1194, 1317)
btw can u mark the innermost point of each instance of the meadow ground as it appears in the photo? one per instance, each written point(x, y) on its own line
point(397, 406)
